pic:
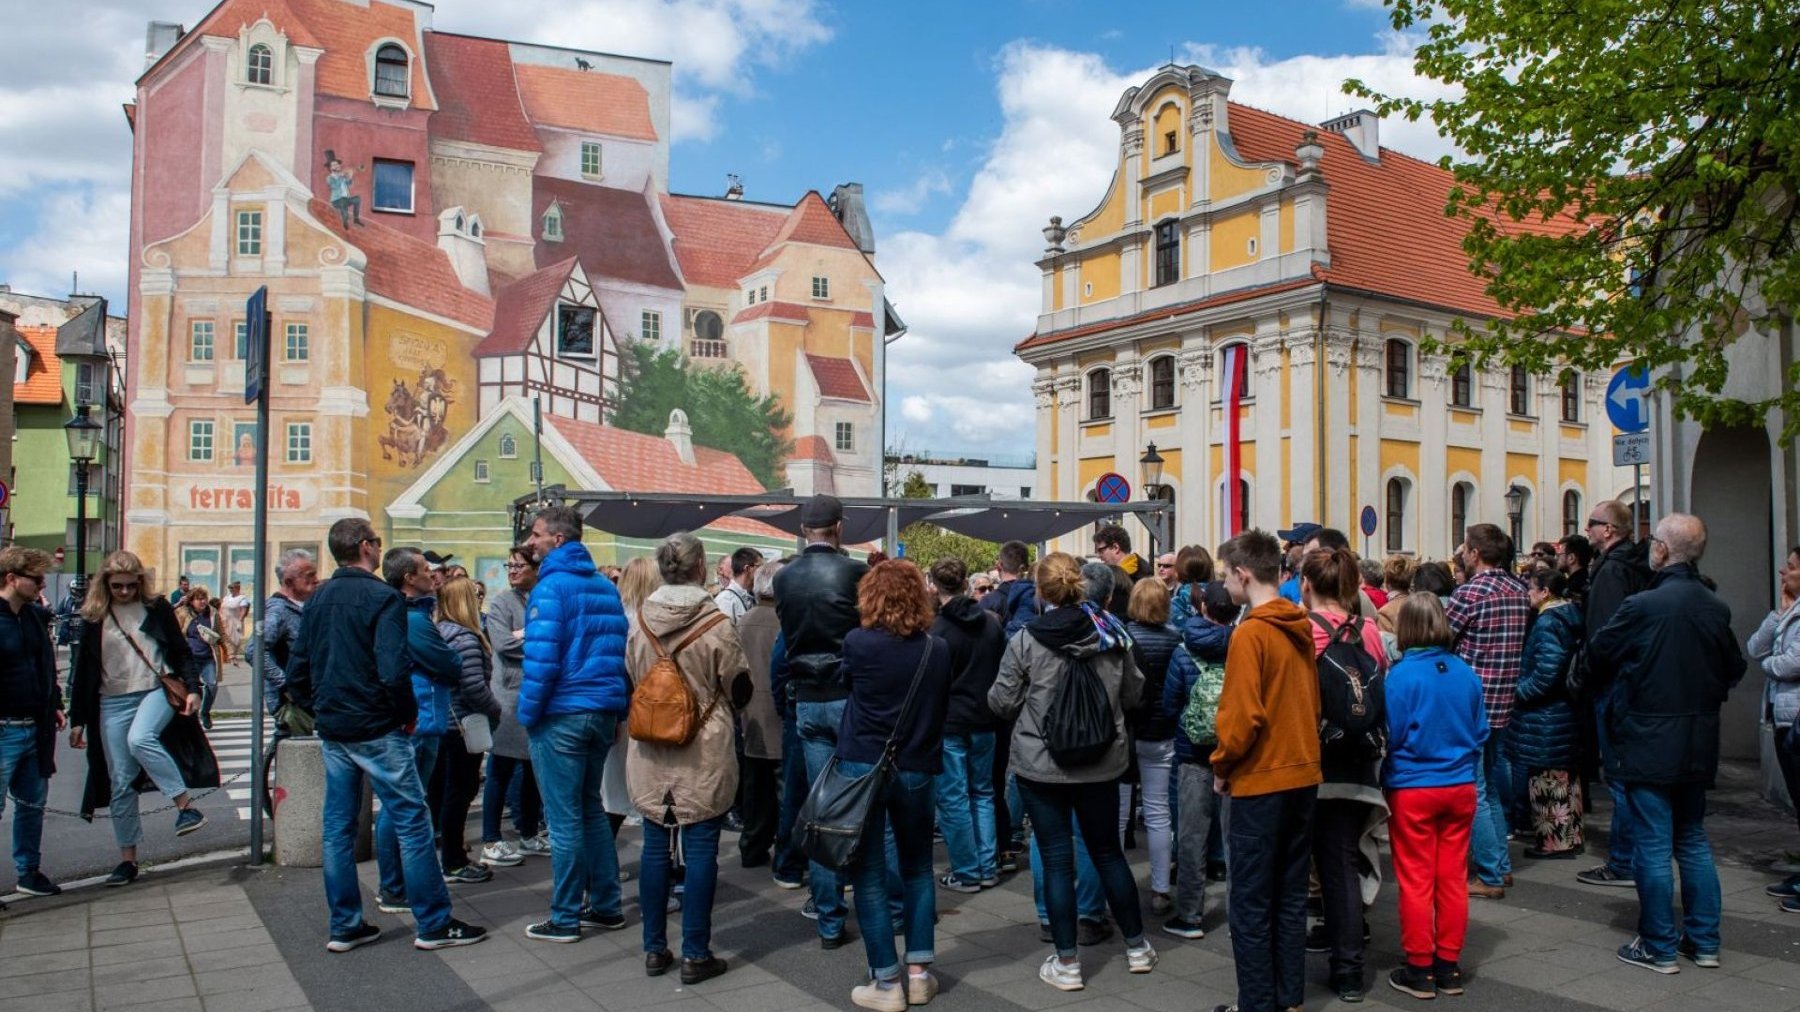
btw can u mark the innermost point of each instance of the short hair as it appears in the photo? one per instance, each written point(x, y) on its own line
point(17, 560)
point(1112, 536)
point(745, 558)
point(1397, 572)
point(1194, 564)
point(1332, 573)
point(560, 520)
point(1096, 583)
point(1617, 514)
point(398, 564)
point(763, 584)
point(1550, 581)
point(522, 552)
point(1255, 550)
point(1371, 572)
point(950, 575)
point(1578, 546)
point(289, 559)
point(1683, 535)
point(1059, 579)
point(1332, 538)
point(1540, 548)
point(681, 559)
point(345, 539)
point(1422, 623)
point(1489, 543)
point(1014, 557)
point(891, 597)
point(1149, 603)
point(1433, 578)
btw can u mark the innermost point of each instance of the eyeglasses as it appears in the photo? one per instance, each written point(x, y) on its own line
point(513, 567)
point(1598, 523)
point(1165, 565)
point(372, 541)
point(121, 588)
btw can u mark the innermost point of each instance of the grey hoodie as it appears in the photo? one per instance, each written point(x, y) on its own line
point(1031, 671)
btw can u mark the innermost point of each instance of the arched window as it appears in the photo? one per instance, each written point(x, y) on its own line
point(509, 447)
point(1572, 519)
point(1398, 490)
point(259, 65)
point(1462, 386)
point(1162, 382)
point(1226, 529)
point(709, 336)
point(1168, 253)
point(1243, 517)
point(1460, 495)
point(393, 71)
point(1399, 368)
point(1099, 394)
point(1235, 356)
point(553, 224)
point(1520, 390)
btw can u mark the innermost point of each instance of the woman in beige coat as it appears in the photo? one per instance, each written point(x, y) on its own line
point(685, 788)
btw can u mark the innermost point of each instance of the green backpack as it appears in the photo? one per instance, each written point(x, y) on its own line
point(1200, 717)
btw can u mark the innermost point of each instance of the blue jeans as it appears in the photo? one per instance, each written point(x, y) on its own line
point(1487, 842)
point(700, 852)
point(901, 815)
point(131, 727)
point(965, 805)
point(19, 775)
point(568, 755)
point(818, 728)
point(1670, 824)
point(1055, 809)
point(789, 862)
point(1621, 840)
point(1090, 901)
point(389, 865)
point(392, 768)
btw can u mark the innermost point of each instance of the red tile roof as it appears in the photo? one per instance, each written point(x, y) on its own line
point(347, 33)
point(477, 99)
point(716, 240)
point(813, 448)
point(43, 380)
point(410, 271)
point(584, 100)
point(863, 318)
point(520, 307)
point(227, 19)
point(613, 232)
point(634, 462)
point(837, 377)
point(785, 312)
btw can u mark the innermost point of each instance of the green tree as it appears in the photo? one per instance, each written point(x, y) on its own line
point(1631, 181)
point(722, 409)
point(926, 543)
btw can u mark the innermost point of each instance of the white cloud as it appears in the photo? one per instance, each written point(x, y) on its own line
point(79, 230)
point(911, 199)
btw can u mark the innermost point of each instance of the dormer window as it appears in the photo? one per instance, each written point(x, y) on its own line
point(259, 65)
point(393, 71)
point(553, 224)
point(590, 159)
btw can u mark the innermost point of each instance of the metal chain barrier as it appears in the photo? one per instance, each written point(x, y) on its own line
point(103, 814)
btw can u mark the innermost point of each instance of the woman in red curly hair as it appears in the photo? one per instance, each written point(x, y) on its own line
point(883, 662)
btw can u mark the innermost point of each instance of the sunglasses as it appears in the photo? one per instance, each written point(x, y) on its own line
point(121, 588)
point(1598, 523)
point(372, 541)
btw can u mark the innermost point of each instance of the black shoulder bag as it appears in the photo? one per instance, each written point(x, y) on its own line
point(831, 820)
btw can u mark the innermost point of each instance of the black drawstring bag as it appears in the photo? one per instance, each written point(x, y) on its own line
point(1079, 727)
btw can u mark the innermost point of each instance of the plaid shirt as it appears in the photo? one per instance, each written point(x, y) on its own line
point(1488, 616)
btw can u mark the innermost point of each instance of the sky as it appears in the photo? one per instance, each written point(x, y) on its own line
point(968, 124)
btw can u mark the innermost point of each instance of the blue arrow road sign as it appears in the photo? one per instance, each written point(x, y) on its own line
point(1628, 399)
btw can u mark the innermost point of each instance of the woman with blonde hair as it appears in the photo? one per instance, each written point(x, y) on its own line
point(459, 623)
point(637, 581)
point(132, 700)
point(199, 622)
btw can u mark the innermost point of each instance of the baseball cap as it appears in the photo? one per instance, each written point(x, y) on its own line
point(821, 511)
point(437, 561)
point(1300, 533)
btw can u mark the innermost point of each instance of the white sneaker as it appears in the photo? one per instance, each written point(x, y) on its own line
point(502, 854)
point(1141, 959)
point(884, 999)
point(1059, 976)
point(535, 846)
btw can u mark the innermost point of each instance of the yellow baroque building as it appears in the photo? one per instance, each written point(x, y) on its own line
point(1329, 260)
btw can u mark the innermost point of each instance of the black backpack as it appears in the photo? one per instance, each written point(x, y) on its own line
point(1078, 727)
point(1352, 694)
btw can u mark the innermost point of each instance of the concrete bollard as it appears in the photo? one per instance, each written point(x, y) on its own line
point(298, 790)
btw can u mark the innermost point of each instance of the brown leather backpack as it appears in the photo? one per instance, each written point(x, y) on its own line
point(663, 708)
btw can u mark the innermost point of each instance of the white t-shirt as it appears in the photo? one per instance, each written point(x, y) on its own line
point(735, 602)
point(121, 669)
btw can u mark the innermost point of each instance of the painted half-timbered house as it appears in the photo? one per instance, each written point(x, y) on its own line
point(550, 340)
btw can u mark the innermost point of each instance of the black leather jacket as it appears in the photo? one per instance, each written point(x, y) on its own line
point(815, 598)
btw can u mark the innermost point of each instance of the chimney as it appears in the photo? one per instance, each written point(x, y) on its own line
point(734, 191)
point(847, 203)
point(159, 38)
point(1362, 129)
point(459, 236)
point(681, 436)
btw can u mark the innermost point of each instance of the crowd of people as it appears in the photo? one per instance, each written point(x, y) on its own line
point(1262, 718)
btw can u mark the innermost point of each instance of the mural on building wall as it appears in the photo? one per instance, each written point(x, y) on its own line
point(243, 444)
point(340, 177)
point(416, 416)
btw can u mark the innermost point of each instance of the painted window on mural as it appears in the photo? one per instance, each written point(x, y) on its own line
point(821, 287)
point(709, 333)
point(393, 186)
point(200, 440)
point(299, 443)
point(590, 158)
point(650, 326)
point(249, 233)
point(575, 331)
point(481, 471)
point(553, 230)
point(846, 436)
point(259, 68)
point(200, 341)
point(295, 344)
point(509, 447)
point(240, 344)
point(393, 76)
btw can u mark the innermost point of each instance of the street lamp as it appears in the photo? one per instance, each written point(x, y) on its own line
point(1515, 510)
point(1152, 464)
point(84, 439)
point(1150, 470)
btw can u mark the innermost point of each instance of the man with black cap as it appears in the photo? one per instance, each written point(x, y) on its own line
point(1296, 536)
point(815, 599)
point(437, 563)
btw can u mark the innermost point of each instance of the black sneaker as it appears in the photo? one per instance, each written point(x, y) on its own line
point(357, 937)
point(1414, 980)
point(591, 918)
point(453, 933)
point(125, 874)
point(1183, 929)
point(469, 874)
point(837, 941)
point(1604, 876)
point(550, 931)
point(693, 971)
point(1044, 934)
point(1706, 960)
point(1349, 988)
point(36, 883)
point(189, 819)
point(388, 903)
point(1636, 953)
point(949, 881)
point(1448, 977)
point(1316, 940)
point(1092, 932)
point(1784, 889)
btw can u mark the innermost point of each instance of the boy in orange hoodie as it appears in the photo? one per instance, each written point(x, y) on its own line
point(1267, 766)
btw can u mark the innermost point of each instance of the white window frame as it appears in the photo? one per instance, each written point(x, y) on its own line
point(296, 336)
point(650, 325)
point(412, 186)
point(249, 232)
point(202, 431)
point(509, 446)
point(593, 148)
point(298, 443)
point(553, 224)
point(844, 437)
point(267, 69)
point(482, 474)
point(821, 287)
point(209, 330)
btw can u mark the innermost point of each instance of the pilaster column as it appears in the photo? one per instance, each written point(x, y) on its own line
point(1043, 391)
point(1601, 477)
point(1303, 417)
point(1265, 423)
point(1195, 509)
point(1369, 359)
point(1068, 427)
point(1431, 499)
point(1489, 506)
point(1338, 463)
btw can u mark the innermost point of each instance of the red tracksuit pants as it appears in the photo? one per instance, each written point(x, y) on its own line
point(1429, 832)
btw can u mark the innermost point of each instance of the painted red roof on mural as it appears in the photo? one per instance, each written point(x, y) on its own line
point(477, 99)
point(783, 312)
point(717, 240)
point(613, 231)
point(347, 35)
point(409, 271)
point(837, 377)
point(632, 461)
point(813, 448)
point(585, 100)
point(810, 222)
point(520, 307)
point(43, 379)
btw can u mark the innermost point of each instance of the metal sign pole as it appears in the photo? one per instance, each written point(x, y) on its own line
point(257, 380)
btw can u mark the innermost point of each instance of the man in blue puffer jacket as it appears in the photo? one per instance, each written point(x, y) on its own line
point(573, 690)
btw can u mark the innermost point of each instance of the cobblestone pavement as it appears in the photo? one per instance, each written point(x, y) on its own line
point(227, 938)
